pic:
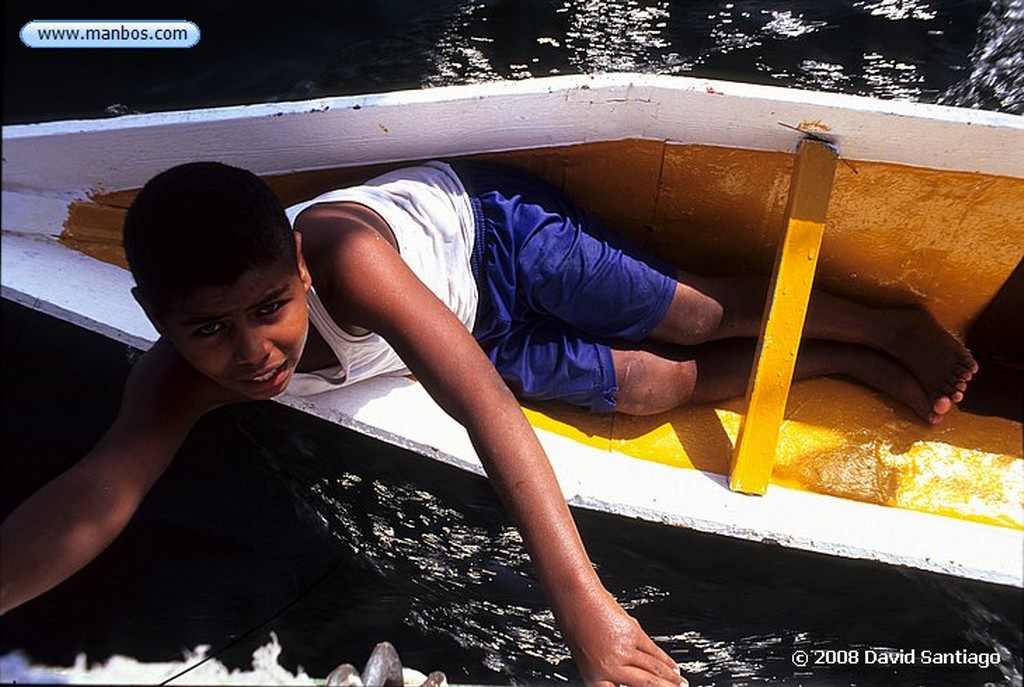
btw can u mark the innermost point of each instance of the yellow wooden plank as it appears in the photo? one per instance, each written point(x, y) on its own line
point(782, 327)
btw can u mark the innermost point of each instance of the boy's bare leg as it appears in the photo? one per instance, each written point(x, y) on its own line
point(653, 382)
point(707, 309)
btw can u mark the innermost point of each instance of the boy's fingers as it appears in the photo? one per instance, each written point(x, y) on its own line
point(668, 672)
point(660, 654)
point(644, 678)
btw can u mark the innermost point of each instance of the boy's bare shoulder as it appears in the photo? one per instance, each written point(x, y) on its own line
point(164, 388)
point(342, 230)
point(349, 249)
point(163, 399)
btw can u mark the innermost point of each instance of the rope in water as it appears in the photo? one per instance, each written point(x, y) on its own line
point(260, 626)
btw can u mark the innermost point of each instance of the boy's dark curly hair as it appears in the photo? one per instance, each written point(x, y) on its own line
point(202, 224)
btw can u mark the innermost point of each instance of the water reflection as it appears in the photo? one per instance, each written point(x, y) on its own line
point(788, 25)
point(450, 549)
point(825, 76)
point(468, 579)
point(616, 36)
point(897, 10)
point(996, 78)
point(902, 49)
point(458, 56)
point(889, 78)
point(966, 52)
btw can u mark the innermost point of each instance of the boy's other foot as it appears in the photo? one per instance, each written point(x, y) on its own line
point(940, 363)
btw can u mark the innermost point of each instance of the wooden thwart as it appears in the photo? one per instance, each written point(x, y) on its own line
point(785, 311)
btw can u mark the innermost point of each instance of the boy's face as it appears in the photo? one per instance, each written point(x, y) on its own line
point(248, 336)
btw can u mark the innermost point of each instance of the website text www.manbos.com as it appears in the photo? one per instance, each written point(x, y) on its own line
point(109, 34)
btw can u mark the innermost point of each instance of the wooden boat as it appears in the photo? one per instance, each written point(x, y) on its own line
point(927, 205)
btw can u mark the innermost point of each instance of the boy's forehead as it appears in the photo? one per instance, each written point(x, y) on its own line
point(252, 288)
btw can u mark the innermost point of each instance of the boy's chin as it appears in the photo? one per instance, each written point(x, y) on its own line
point(263, 396)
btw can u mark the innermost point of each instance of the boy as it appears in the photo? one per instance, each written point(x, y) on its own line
point(451, 274)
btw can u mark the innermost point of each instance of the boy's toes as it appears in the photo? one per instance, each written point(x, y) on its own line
point(963, 372)
point(952, 391)
point(941, 406)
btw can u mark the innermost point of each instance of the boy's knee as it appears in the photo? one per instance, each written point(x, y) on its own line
point(693, 318)
point(648, 384)
point(703, 322)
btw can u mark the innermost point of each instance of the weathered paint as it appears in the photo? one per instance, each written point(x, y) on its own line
point(785, 312)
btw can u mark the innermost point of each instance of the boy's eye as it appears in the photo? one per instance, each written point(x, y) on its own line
point(209, 329)
point(270, 308)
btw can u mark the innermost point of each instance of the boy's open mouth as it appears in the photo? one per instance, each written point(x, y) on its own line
point(271, 379)
point(267, 376)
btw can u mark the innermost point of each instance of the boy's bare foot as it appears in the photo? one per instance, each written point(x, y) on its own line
point(941, 364)
point(885, 374)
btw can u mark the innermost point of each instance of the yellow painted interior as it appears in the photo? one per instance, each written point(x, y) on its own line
point(838, 438)
point(896, 234)
point(785, 313)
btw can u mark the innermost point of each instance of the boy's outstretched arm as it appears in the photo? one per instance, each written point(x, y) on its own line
point(68, 522)
point(382, 294)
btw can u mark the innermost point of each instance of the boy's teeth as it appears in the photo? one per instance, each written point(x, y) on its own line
point(264, 378)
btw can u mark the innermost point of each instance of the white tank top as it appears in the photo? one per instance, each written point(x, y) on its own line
point(429, 212)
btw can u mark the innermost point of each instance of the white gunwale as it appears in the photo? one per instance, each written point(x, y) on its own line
point(108, 154)
point(50, 164)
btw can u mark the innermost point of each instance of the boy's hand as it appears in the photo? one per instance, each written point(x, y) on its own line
point(610, 648)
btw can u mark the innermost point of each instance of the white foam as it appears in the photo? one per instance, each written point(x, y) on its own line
point(266, 670)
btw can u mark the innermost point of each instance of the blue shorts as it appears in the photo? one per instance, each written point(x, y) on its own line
point(554, 287)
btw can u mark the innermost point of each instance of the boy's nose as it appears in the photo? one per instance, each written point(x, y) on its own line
point(251, 348)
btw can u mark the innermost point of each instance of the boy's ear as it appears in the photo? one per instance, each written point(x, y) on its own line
point(148, 308)
point(307, 281)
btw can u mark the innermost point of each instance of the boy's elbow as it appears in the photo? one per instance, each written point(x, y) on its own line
point(100, 513)
point(114, 509)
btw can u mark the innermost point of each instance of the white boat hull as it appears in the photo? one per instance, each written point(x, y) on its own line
point(47, 166)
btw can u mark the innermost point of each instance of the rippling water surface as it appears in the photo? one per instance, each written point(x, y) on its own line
point(341, 542)
point(959, 52)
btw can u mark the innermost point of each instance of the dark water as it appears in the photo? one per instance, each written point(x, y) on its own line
point(269, 520)
point(966, 52)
